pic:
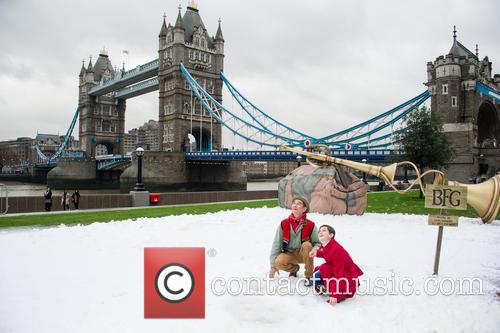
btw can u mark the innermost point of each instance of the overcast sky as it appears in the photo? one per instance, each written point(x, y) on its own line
point(319, 66)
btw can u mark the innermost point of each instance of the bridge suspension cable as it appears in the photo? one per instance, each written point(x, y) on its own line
point(337, 140)
point(264, 120)
point(241, 127)
point(62, 145)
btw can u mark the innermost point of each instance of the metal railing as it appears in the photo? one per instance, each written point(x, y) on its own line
point(4, 199)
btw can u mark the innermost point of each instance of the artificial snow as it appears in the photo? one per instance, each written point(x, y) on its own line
point(90, 278)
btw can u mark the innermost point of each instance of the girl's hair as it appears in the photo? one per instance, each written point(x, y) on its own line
point(330, 229)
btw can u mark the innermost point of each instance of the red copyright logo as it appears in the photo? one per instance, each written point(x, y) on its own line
point(174, 283)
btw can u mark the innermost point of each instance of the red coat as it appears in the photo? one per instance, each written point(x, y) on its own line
point(338, 265)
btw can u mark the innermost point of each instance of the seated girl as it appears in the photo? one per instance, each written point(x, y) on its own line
point(338, 276)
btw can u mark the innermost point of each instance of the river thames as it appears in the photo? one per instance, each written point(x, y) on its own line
point(20, 189)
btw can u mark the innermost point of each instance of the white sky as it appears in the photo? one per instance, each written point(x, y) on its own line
point(319, 66)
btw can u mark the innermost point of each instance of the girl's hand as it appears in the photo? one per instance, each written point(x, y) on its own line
point(332, 301)
point(313, 252)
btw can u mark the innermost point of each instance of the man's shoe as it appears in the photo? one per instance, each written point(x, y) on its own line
point(294, 273)
point(320, 289)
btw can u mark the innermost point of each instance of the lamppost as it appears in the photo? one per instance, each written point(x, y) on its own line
point(139, 186)
point(299, 160)
point(405, 181)
point(364, 173)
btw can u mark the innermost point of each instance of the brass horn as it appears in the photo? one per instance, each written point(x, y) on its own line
point(484, 197)
point(387, 173)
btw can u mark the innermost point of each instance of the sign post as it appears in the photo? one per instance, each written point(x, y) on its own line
point(444, 197)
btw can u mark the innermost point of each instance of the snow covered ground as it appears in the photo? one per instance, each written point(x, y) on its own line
point(90, 278)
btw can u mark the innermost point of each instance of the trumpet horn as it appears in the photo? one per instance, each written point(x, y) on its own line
point(484, 197)
point(387, 173)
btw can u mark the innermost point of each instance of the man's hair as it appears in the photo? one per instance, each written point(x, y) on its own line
point(330, 229)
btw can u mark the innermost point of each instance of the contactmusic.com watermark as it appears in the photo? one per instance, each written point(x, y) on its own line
point(380, 286)
point(174, 284)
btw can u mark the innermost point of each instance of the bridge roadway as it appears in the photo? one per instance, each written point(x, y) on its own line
point(375, 155)
point(138, 74)
point(263, 155)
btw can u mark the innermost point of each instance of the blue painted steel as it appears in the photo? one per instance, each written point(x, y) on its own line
point(63, 144)
point(327, 140)
point(107, 163)
point(45, 165)
point(385, 125)
point(147, 69)
point(237, 95)
point(263, 155)
point(193, 84)
point(138, 89)
point(484, 89)
point(422, 97)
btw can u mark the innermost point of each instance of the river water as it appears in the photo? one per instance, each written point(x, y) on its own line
point(20, 189)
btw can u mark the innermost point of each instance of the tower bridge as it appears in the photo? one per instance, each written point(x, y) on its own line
point(189, 76)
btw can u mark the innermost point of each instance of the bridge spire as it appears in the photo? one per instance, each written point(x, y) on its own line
point(477, 52)
point(163, 31)
point(90, 68)
point(454, 33)
point(218, 35)
point(179, 24)
point(82, 70)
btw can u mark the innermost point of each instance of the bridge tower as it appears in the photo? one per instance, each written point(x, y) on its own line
point(470, 119)
point(102, 119)
point(180, 113)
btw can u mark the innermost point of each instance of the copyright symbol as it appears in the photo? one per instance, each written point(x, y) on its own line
point(174, 283)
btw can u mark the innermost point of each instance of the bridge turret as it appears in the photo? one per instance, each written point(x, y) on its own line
point(89, 73)
point(179, 29)
point(82, 70)
point(163, 34)
point(219, 48)
point(81, 76)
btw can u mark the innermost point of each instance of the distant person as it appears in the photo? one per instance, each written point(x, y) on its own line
point(65, 200)
point(75, 197)
point(338, 276)
point(381, 185)
point(294, 240)
point(48, 199)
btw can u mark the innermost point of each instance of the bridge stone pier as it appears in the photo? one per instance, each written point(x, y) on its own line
point(470, 116)
point(171, 172)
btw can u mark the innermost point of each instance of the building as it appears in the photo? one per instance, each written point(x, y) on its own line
point(146, 136)
point(15, 155)
point(269, 169)
point(470, 119)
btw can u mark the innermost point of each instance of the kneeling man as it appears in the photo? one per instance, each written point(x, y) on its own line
point(295, 238)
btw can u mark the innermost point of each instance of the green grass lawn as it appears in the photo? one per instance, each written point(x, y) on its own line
point(386, 202)
point(408, 203)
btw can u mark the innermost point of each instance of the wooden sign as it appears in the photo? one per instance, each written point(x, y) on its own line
point(446, 197)
point(443, 220)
